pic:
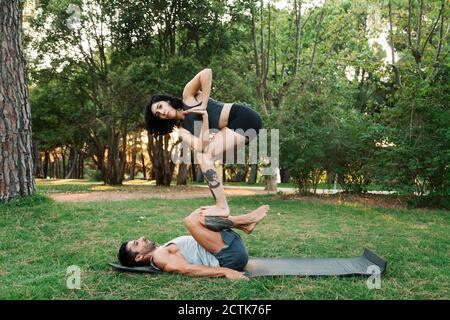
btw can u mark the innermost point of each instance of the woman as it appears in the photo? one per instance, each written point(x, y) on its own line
point(194, 116)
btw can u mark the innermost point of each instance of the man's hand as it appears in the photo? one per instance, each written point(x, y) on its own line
point(235, 275)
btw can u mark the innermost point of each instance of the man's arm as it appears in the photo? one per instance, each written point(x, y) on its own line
point(204, 271)
point(168, 260)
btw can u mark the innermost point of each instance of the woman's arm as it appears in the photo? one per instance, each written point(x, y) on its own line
point(204, 133)
point(202, 81)
point(202, 142)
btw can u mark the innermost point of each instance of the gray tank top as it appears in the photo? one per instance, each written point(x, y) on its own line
point(193, 252)
point(214, 109)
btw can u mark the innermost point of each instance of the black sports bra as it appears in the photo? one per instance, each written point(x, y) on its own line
point(214, 109)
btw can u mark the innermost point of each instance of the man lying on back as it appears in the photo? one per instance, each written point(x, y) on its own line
point(212, 249)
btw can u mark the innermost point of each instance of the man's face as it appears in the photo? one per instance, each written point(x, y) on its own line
point(141, 246)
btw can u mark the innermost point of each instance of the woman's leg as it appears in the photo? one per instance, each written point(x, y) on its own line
point(224, 141)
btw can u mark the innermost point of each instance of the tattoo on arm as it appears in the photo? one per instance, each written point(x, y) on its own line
point(212, 179)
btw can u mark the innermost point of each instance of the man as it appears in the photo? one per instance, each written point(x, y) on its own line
point(212, 250)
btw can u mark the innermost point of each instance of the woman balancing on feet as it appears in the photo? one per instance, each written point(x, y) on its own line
point(194, 115)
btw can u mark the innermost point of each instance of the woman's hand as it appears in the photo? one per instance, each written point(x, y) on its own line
point(197, 110)
point(204, 130)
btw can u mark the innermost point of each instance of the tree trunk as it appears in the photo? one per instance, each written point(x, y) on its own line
point(72, 163)
point(39, 173)
point(285, 175)
point(169, 165)
point(46, 162)
point(77, 168)
point(56, 162)
point(51, 169)
point(182, 174)
point(63, 156)
point(240, 173)
point(143, 166)
point(123, 152)
point(253, 174)
point(199, 178)
point(298, 23)
point(133, 165)
point(330, 177)
point(151, 173)
point(41, 167)
point(81, 166)
point(265, 98)
point(112, 168)
point(16, 160)
point(157, 160)
point(271, 182)
point(193, 167)
point(182, 171)
point(391, 43)
point(162, 164)
point(134, 151)
point(35, 147)
point(319, 25)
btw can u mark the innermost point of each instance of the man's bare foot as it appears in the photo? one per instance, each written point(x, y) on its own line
point(256, 216)
point(215, 211)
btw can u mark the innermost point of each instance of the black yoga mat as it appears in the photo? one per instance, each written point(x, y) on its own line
point(367, 264)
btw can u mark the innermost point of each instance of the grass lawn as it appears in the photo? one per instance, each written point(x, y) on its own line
point(39, 239)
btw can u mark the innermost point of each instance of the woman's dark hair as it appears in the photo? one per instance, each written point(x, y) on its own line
point(156, 126)
point(126, 257)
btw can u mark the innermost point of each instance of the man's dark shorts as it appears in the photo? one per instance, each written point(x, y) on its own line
point(233, 255)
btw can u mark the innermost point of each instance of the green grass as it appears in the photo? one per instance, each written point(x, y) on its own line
point(39, 239)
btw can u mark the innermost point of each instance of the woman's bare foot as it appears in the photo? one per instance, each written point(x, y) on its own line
point(256, 216)
point(215, 211)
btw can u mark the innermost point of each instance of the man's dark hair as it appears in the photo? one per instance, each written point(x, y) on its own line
point(126, 257)
point(159, 127)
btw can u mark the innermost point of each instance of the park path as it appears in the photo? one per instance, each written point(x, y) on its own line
point(195, 191)
point(187, 193)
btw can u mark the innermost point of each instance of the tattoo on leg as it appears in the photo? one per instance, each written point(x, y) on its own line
point(218, 223)
point(212, 179)
point(214, 196)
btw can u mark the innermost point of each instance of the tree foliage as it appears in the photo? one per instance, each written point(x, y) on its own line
point(347, 106)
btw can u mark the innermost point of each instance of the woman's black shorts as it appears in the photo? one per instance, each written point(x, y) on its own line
point(244, 118)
